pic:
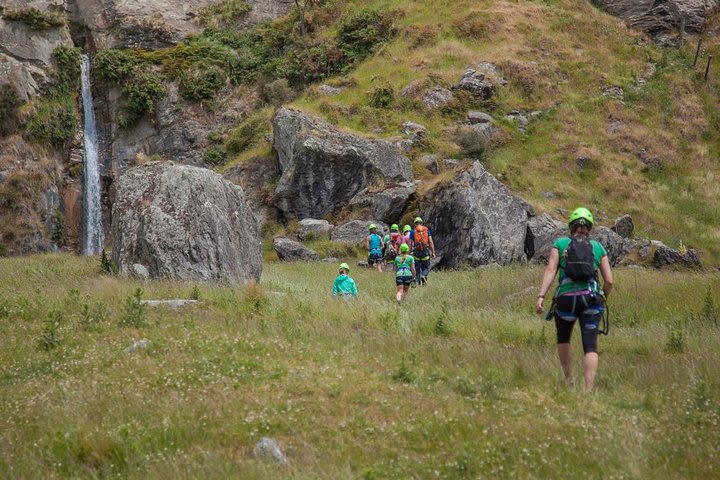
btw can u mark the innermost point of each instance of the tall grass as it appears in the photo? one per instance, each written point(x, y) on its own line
point(461, 381)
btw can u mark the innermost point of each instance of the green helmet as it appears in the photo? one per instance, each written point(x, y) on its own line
point(345, 266)
point(581, 214)
point(407, 228)
point(372, 227)
point(418, 220)
point(394, 227)
point(404, 247)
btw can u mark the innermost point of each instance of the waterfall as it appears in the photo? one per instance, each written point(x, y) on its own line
point(93, 240)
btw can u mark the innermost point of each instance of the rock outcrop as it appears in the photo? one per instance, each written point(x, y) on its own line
point(292, 250)
point(311, 227)
point(324, 169)
point(662, 18)
point(253, 176)
point(185, 223)
point(476, 220)
point(665, 257)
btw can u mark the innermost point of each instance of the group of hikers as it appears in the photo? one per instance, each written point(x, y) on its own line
point(408, 254)
point(579, 297)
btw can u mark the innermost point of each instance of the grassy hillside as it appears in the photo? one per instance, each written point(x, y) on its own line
point(461, 382)
point(558, 56)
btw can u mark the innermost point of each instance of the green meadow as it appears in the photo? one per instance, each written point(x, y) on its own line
point(461, 381)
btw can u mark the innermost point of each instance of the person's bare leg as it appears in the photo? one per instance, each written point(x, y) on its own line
point(399, 293)
point(565, 360)
point(590, 365)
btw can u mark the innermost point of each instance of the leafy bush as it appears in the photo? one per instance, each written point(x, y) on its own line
point(134, 315)
point(381, 96)
point(67, 63)
point(277, 92)
point(9, 103)
point(55, 120)
point(58, 231)
point(361, 33)
point(313, 64)
point(215, 155)
point(49, 337)
point(248, 132)
point(473, 26)
point(201, 82)
point(36, 19)
point(114, 65)
point(141, 92)
point(224, 12)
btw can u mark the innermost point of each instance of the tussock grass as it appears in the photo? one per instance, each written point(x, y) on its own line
point(462, 381)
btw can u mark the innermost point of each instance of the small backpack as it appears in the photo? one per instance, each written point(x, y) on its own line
point(421, 238)
point(579, 260)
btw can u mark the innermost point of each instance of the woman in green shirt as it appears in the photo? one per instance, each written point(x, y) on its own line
point(577, 299)
point(404, 272)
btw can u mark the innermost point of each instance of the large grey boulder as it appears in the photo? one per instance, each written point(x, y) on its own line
point(185, 223)
point(355, 231)
point(661, 18)
point(254, 176)
point(386, 204)
point(623, 226)
point(614, 244)
point(323, 169)
point(476, 220)
point(314, 227)
point(476, 84)
point(542, 235)
point(665, 257)
point(292, 250)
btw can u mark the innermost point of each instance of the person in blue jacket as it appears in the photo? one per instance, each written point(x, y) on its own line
point(374, 243)
point(344, 286)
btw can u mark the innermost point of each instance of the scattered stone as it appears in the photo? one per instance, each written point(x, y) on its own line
point(362, 263)
point(451, 164)
point(475, 82)
point(653, 164)
point(269, 449)
point(645, 252)
point(615, 125)
point(518, 118)
point(414, 131)
point(614, 92)
point(331, 260)
point(329, 90)
point(184, 223)
point(669, 257)
point(138, 270)
point(174, 304)
point(549, 195)
point(583, 161)
point(314, 227)
point(323, 169)
point(430, 162)
point(492, 71)
point(290, 250)
point(141, 344)
point(475, 116)
point(355, 231)
point(623, 226)
point(404, 145)
point(437, 97)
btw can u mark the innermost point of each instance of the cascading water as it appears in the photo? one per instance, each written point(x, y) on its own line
point(92, 214)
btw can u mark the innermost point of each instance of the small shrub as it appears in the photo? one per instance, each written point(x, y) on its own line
point(422, 36)
point(58, 231)
point(107, 265)
point(247, 134)
point(224, 13)
point(472, 143)
point(195, 294)
point(54, 120)
point(403, 374)
point(36, 19)
point(277, 92)
point(141, 92)
point(710, 312)
point(381, 96)
point(9, 103)
point(254, 298)
point(312, 64)
point(49, 337)
point(215, 156)
point(676, 339)
point(67, 67)
point(134, 315)
point(442, 326)
point(472, 26)
point(114, 65)
point(361, 33)
point(201, 82)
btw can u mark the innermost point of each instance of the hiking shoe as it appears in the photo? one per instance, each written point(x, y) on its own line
point(413, 285)
point(423, 281)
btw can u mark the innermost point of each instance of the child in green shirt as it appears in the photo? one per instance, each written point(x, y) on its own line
point(344, 286)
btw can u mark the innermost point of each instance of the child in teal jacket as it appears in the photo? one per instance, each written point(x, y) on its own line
point(344, 286)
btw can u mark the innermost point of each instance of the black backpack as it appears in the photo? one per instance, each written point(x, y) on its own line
point(579, 260)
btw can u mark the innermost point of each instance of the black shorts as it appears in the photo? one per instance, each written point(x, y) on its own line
point(587, 310)
point(374, 258)
point(405, 280)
